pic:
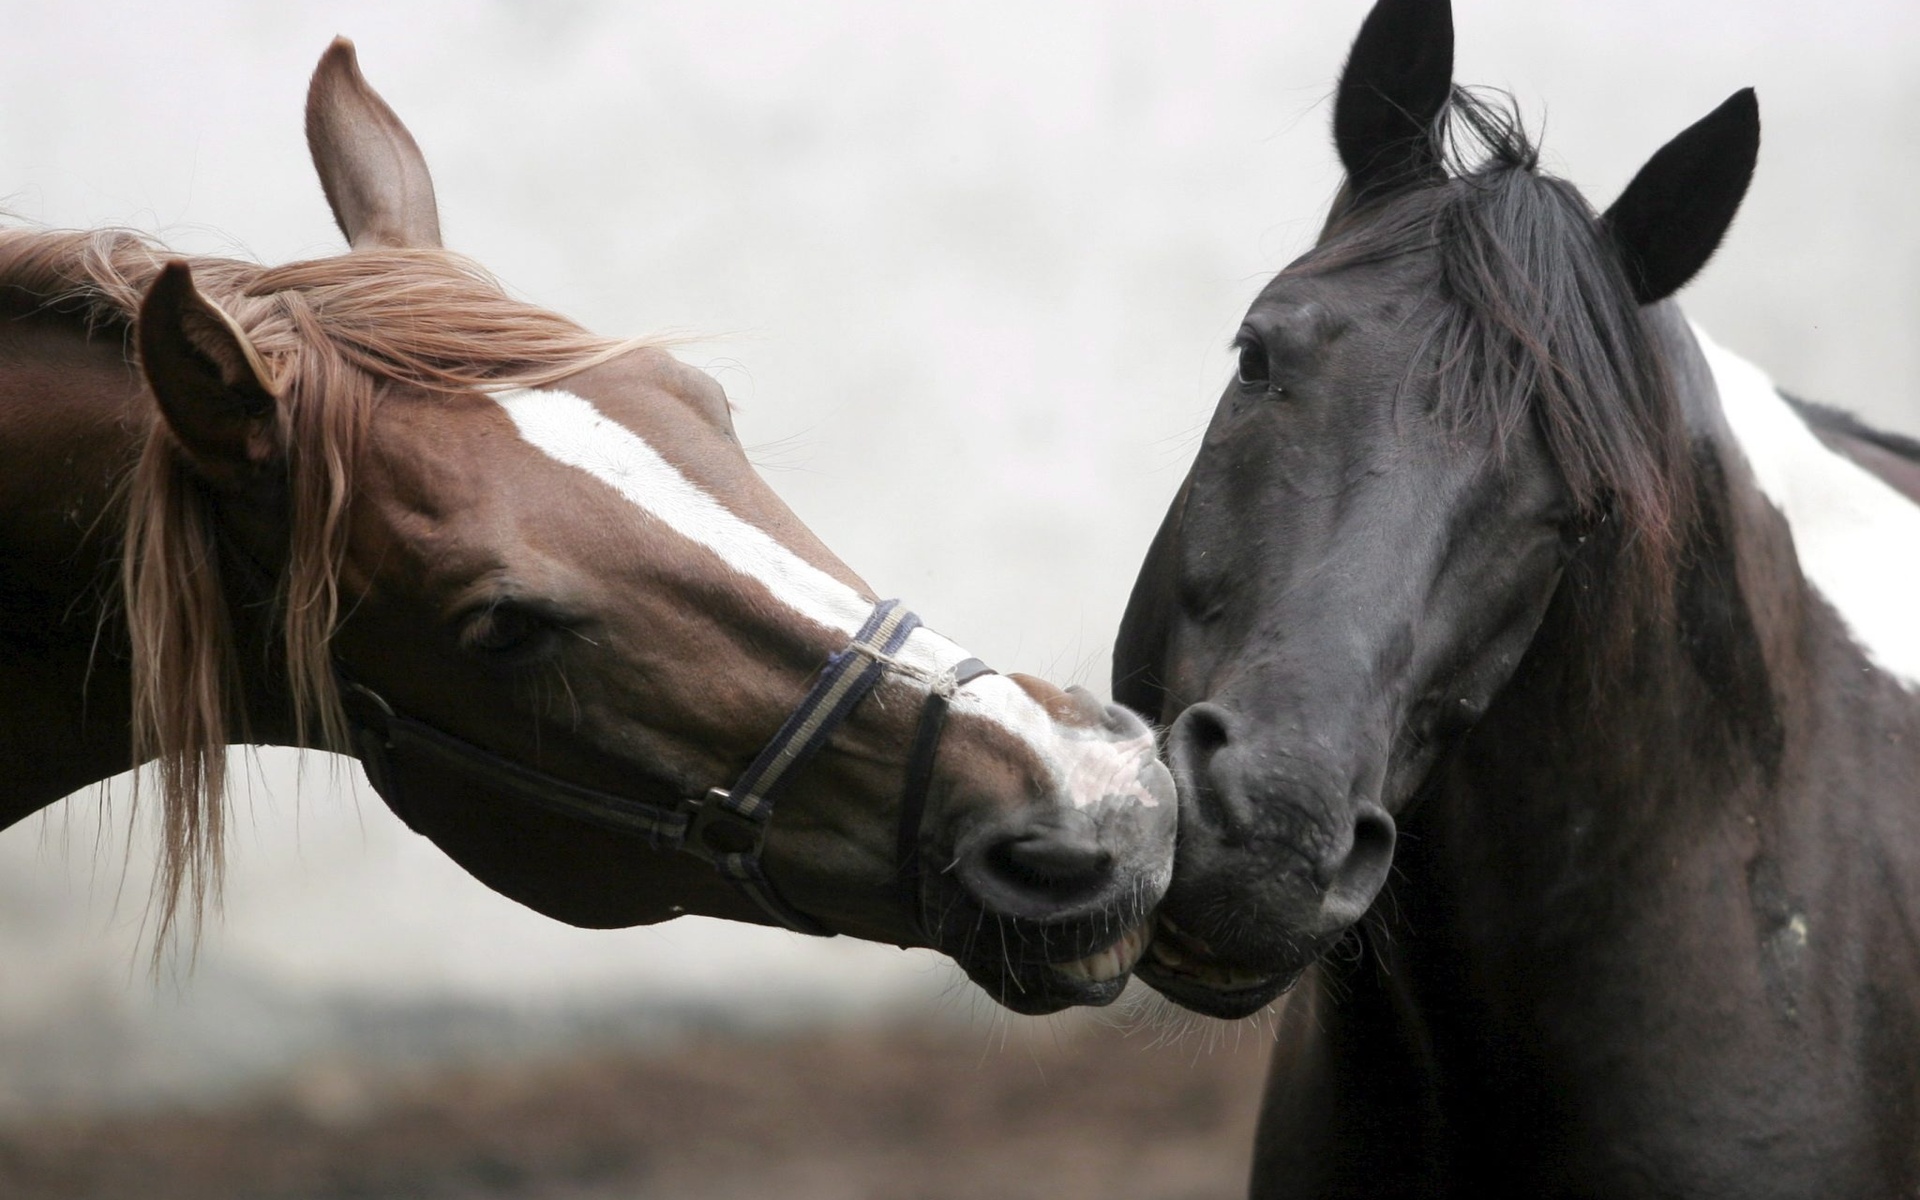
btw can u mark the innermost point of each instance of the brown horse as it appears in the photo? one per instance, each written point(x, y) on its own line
point(372, 503)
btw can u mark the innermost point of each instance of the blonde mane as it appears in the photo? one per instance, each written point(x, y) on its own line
point(331, 332)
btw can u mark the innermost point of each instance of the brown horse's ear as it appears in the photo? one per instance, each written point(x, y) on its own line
point(370, 167)
point(214, 392)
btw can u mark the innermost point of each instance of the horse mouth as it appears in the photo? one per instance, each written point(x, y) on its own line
point(1184, 969)
point(1113, 963)
point(1033, 987)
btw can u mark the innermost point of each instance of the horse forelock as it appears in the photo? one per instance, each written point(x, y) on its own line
point(1532, 318)
point(338, 336)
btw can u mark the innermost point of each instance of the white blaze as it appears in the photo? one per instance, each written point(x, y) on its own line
point(1857, 539)
point(571, 430)
point(1088, 766)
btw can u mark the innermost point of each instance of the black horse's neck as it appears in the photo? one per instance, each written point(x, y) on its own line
point(1623, 903)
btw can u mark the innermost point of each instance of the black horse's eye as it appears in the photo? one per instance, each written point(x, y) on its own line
point(1253, 364)
point(506, 632)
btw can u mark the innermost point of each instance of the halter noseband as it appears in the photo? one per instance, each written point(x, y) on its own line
point(725, 827)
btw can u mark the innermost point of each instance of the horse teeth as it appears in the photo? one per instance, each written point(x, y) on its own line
point(1111, 963)
point(1193, 944)
point(1212, 975)
point(1166, 954)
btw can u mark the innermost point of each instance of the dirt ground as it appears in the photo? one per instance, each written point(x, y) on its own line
point(893, 1115)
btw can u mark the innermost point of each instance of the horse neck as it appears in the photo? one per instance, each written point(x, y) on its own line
point(1513, 944)
point(73, 415)
point(1627, 722)
point(1779, 628)
point(1608, 877)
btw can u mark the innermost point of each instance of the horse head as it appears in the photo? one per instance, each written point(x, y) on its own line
point(529, 575)
point(1447, 413)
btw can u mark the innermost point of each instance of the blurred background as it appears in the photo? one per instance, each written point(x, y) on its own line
point(977, 264)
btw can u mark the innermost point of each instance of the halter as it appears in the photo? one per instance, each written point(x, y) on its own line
point(725, 827)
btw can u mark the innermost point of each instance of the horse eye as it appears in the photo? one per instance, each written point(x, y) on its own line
point(1253, 364)
point(506, 631)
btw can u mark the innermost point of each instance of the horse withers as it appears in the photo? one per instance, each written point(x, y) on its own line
point(1537, 654)
point(371, 503)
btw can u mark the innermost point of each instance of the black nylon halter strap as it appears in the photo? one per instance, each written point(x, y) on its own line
point(727, 827)
point(730, 824)
point(384, 739)
point(913, 794)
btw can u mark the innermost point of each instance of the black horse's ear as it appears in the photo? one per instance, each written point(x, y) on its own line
point(1670, 220)
point(215, 394)
point(1391, 96)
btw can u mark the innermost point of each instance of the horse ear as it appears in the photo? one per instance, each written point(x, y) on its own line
point(1670, 220)
point(1391, 95)
point(370, 167)
point(214, 392)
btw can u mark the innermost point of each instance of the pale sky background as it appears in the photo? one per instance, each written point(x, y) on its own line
point(968, 272)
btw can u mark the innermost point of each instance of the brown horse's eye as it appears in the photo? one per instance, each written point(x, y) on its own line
point(1253, 365)
point(507, 632)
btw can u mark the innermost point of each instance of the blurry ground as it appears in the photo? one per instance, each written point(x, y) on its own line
point(1090, 1111)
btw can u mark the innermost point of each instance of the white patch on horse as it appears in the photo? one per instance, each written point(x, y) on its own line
point(1089, 766)
point(1858, 540)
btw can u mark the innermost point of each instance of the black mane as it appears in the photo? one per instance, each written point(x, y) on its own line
point(1535, 320)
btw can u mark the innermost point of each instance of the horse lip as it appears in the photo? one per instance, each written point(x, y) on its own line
point(1180, 941)
point(1044, 990)
point(1113, 961)
point(1225, 1003)
point(1186, 970)
point(1024, 972)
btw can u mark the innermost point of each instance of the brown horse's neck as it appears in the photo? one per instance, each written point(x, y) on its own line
point(73, 414)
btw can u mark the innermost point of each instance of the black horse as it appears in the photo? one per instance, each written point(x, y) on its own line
point(1504, 610)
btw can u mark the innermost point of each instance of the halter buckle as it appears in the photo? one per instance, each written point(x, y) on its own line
point(714, 830)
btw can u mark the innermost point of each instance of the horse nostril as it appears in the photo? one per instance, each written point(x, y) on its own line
point(1373, 837)
point(1039, 869)
point(1360, 875)
point(1200, 731)
point(1201, 753)
point(1054, 858)
point(1197, 736)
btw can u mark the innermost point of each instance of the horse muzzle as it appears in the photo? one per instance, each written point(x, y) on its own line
point(1050, 903)
point(1279, 855)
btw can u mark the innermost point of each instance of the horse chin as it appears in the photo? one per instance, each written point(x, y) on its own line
point(1186, 971)
point(1038, 988)
point(1228, 1002)
point(1040, 993)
